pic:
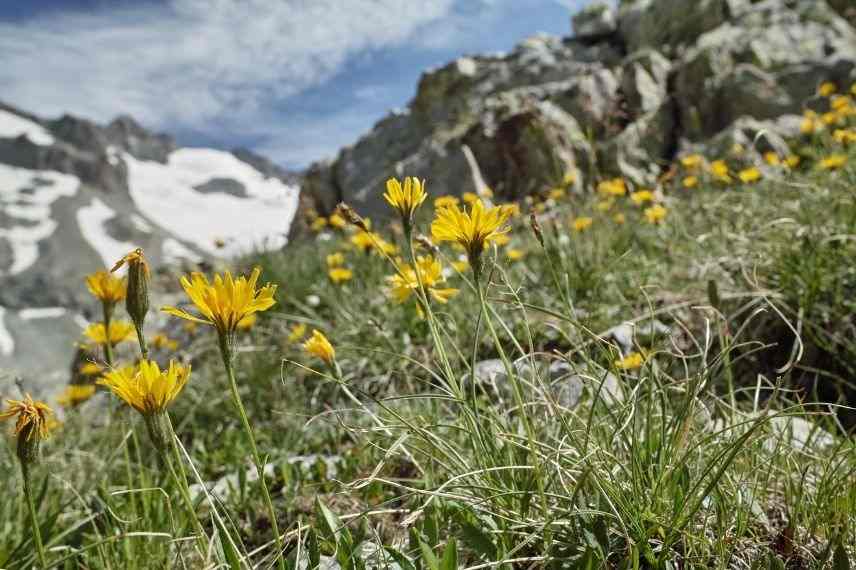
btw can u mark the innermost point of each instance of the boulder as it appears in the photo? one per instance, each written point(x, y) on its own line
point(595, 21)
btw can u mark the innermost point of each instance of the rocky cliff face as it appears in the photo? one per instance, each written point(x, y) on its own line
point(632, 88)
point(75, 196)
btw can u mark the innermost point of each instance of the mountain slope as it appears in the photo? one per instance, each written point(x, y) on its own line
point(75, 196)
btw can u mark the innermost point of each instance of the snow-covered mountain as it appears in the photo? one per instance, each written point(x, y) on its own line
point(75, 196)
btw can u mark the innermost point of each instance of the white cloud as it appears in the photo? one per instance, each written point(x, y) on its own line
point(208, 65)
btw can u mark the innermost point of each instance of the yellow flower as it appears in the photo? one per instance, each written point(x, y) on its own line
point(613, 187)
point(471, 230)
point(641, 197)
point(569, 178)
point(105, 287)
point(502, 239)
point(75, 394)
point(368, 241)
point(461, 265)
point(581, 224)
point(692, 161)
point(119, 331)
point(337, 221)
point(445, 201)
point(619, 218)
point(430, 273)
point(162, 342)
point(749, 175)
point(792, 161)
point(833, 162)
point(513, 207)
point(515, 254)
point(655, 214)
point(318, 345)
point(719, 170)
point(844, 136)
point(319, 224)
point(340, 275)
point(146, 388)
point(556, 194)
point(225, 303)
point(405, 198)
point(604, 205)
point(840, 102)
point(826, 89)
point(335, 260)
point(772, 158)
point(632, 361)
point(90, 369)
point(247, 322)
point(690, 181)
point(33, 418)
point(809, 125)
point(470, 198)
point(297, 332)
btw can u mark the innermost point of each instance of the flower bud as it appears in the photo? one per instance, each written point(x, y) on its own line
point(137, 299)
point(353, 217)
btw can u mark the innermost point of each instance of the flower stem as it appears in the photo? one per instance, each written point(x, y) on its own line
point(226, 353)
point(34, 520)
point(108, 348)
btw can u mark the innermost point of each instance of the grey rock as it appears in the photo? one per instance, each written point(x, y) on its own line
point(223, 186)
point(644, 81)
point(801, 433)
point(628, 335)
point(595, 21)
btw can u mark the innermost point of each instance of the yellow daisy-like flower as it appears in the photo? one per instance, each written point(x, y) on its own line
point(445, 202)
point(298, 331)
point(340, 275)
point(75, 394)
point(844, 136)
point(692, 161)
point(146, 388)
point(337, 221)
point(582, 224)
point(471, 230)
point(830, 118)
point(514, 254)
point(405, 198)
point(470, 198)
point(632, 361)
point(792, 161)
point(655, 214)
point(105, 287)
point(406, 281)
point(90, 369)
point(556, 194)
point(120, 331)
point(227, 301)
point(719, 170)
point(33, 421)
point(604, 205)
point(613, 187)
point(318, 224)
point(569, 178)
point(162, 342)
point(619, 218)
point(335, 260)
point(690, 181)
point(318, 345)
point(749, 175)
point(641, 197)
point(840, 102)
point(833, 162)
point(827, 88)
point(371, 241)
point(772, 158)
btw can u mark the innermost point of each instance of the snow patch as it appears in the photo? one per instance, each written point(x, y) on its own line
point(90, 220)
point(41, 313)
point(12, 126)
point(165, 194)
point(174, 251)
point(7, 343)
point(27, 196)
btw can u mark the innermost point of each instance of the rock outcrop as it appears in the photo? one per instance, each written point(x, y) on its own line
point(633, 87)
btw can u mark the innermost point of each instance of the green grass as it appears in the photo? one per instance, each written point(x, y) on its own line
point(689, 468)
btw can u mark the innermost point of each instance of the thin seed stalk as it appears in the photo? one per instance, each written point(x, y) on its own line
point(179, 477)
point(108, 348)
point(34, 519)
point(226, 354)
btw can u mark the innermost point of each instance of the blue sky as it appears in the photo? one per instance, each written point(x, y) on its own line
point(292, 79)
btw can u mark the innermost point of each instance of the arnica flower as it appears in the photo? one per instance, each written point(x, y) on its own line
point(690, 181)
point(32, 426)
point(445, 202)
point(632, 361)
point(298, 331)
point(318, 345)
point(120, 331)
point(827, 88)
point(146, 388)
point(613, 187)
point(90, 369)
point(719, 170)
point(840, 103)
point(692, 161)
point(406, 281)
point(337, 221)
point(830, 118)
point(318, 224)
point(641, 197)
point(340, 275)
point(582, 224)
point(471, 230)
point(655, 214)
point(844, 136)
point(105, 287)
point(619, 218)
point(335, 260)
point(792, 161)
point(833, 162)
point(75, 394)
point(514, 254)
point(226, 302)
point(162, 342)
point(772, 158)
point(405, 198)
point(749, 175)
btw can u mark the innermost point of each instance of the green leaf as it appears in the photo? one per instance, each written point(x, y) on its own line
point(400, 558)
point(478, 540)
point(330, 523)
point(233, 559)
point(450, 556)
point(840, 560)
point(428, 556)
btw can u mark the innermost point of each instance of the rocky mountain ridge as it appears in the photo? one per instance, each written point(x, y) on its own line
point(635, 86)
